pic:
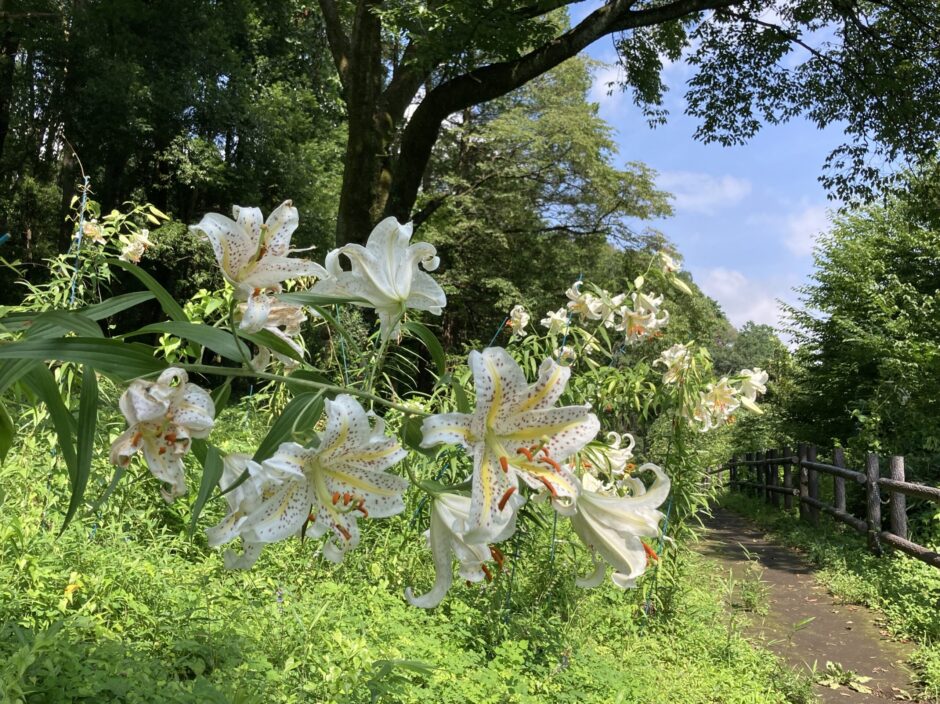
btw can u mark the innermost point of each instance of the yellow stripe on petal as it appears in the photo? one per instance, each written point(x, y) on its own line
point(537, 397)
point(497, 392)
point(361, 484)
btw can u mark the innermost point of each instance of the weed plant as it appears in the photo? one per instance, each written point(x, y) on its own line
point(124, 606)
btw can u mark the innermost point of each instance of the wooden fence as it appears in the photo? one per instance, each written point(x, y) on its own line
point(780, 476)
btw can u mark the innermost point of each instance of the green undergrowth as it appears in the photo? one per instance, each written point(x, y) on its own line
point(905, 590)
point(124, 606)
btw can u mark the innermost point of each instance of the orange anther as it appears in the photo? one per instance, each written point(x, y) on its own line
point(138, 436)
point(587, 465)
point(497, 555)
point(548, 485)
point(162, 451)
point(551, 463)
point(526, 452)
point(170, 437)
point(505, 497)
point(335, 497)
point(650, 553)
point(342, 530)
point(486, 571)
point(504, 463)
point(347, 497)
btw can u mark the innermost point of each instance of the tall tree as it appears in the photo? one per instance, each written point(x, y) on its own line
point(406, 65)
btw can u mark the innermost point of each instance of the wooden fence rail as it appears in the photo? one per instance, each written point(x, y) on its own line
point(759, 475)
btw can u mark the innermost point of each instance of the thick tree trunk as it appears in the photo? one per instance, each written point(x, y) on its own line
point(9, 45)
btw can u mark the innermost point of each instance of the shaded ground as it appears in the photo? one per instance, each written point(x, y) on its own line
point(784, 587)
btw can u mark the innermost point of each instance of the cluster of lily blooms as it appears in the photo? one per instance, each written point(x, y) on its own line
point(523, 445)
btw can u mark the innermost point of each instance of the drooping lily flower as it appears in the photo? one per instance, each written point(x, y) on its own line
point(556, 322)
point(447, 537)
point(515, 432)
point(284, 320)
point(752, 383)
point(676, 360)
point(668, 264)
point(612, 526)
point(342, 479)
point(566, 353)
point(261, 484)
point(253, 256)
point(610, 458)
point(518, 319)
point(386, 275)
point(163, 415)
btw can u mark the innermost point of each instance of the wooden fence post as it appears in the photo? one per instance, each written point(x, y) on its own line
point(788, 478)
point(773, 498)
point(898, 500)
point(804, 481)
point(838, 483)
point(733, 471)
point(873, 519)
point(760, 471)
point(748, 456)
point(813, 485)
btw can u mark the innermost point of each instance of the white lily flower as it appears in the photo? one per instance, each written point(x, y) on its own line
point(341, 479)
point(135, 245)
point(518, 319)
point(261, 484)
point(253, 256)
point(514, 432)
point(676, 360)
point(285, 321)
point(163, 415)
point(754, 382)
point(611, 458)
point(584, 304)
point(611, 527)
point(716, 404)
point(644, 318)
point(446, 537)
point(668, 264)
point(556, 322)
point(385, 273)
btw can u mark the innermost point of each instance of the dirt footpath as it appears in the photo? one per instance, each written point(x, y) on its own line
point(839, 633)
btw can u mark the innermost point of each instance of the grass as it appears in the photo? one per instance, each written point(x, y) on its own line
point(124, 606)
point(905, 590)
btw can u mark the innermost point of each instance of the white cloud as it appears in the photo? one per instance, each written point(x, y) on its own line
point(703, 193)
point(802, 228)
point(743, 299)
point(601, 89)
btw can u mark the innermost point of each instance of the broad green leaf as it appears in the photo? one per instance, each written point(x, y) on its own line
point(303, 410)
point(431, 342)
point(305, 298)
point(43, 384)
point(266, 338)
point(12, 370)
point(87, 426)
point(412, 436)
point(211, 474)
point(220, 341)
point(7, 433)
point(173, 309)
point(116, 304)
point(55, 322)
point(121, 359)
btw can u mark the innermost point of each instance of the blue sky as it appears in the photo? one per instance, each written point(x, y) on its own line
point(745, 217)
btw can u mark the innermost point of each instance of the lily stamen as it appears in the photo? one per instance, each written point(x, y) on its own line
point(345, 533)
point(502, 502)
point(486, 571)
point(526, 452)
point(504, 463)
point(550, 462)
point(650, 553)
point(548, 485)
point(497, 556)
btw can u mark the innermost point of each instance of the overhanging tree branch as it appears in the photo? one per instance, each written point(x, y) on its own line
point(495, 80)
point(337, 39)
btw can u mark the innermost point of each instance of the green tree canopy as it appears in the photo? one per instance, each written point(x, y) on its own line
point(869, 332)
